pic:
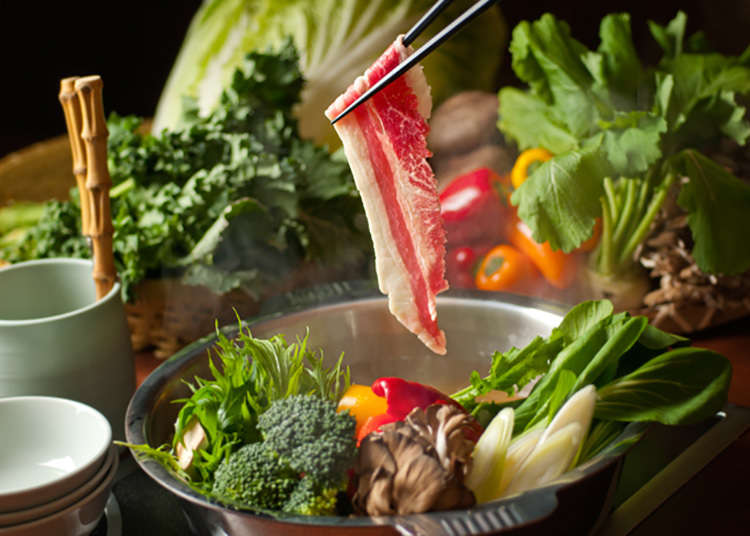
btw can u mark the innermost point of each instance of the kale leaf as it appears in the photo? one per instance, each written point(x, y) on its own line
point(234, 198)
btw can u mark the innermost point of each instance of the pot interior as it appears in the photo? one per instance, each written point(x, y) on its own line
point(374, 345)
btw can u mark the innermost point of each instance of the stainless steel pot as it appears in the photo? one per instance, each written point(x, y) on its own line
point(355, 319)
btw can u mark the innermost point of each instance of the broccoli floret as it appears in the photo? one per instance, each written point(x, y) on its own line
point(256, 477)
point(300, 466)
point(308, 433)
point(311, 498)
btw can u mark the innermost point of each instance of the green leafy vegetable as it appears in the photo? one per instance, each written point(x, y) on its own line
point(19, 215)
point(681, 386)
point(622, 132)
point(717, 206)
point(338, 40)
point(640, 372)
point(252, 374)
point(232, 199)
point(515, 368)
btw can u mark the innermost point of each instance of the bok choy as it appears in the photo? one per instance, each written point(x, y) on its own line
point(595, 372)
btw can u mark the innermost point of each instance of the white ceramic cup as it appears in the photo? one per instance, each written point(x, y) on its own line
point(56, 339)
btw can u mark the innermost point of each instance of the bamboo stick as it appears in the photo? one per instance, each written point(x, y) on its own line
point(98, 181)
point(72, 109)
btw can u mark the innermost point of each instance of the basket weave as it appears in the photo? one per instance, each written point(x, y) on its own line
point(166, 314)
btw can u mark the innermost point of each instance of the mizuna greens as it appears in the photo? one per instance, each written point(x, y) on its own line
point(640, 374)
point(232, 199)
point(623, 134)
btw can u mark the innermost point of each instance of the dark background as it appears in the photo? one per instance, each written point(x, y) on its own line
point(132, 45)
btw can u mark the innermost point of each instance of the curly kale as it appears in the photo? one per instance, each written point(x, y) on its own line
point(232, 199)
point(311, 436)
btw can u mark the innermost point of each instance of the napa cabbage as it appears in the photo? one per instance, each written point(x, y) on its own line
point(337, 41)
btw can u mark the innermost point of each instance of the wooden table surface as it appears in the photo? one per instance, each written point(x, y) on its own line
point(715, 500)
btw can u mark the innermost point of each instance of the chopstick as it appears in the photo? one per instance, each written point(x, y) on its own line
point(425, 21)
point(424, 50)
point(98, 182)
point(72, 110)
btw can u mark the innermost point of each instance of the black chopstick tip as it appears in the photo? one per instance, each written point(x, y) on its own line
point(423, 51)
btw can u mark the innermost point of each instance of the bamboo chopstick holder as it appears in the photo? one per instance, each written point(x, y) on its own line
point(72, 109)
point(98, 182)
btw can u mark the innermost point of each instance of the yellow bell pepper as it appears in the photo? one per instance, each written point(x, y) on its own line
point(362, 404)
point(520, 170)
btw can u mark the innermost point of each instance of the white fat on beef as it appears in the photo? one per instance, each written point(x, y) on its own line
point(385, 144)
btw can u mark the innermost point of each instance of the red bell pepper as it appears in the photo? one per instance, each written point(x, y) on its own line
point(461, 263)
point(472, 209)
point(402, 397)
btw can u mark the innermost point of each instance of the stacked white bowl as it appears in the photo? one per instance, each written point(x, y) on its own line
point(57, 466)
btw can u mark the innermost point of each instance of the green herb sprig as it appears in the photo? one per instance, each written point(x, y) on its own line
point(249, 375)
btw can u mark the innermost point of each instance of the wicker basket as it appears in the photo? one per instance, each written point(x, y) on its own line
point(166, 314)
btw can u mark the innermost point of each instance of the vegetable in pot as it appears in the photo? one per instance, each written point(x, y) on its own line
point(640, 372)
point(255, 476)
point(362, 403)
point(311, 436)
point(390, 399)
point(417, 464)
point(299, 466)
point(488, 457)
point(251, 374)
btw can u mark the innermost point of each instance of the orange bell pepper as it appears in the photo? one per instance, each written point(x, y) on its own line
point(520, 171)
point(362, 404)
point(591, 243)
point(391, 399)
point(557, 267)
point(505, 268)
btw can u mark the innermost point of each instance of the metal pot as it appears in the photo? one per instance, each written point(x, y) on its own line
point(355, 320)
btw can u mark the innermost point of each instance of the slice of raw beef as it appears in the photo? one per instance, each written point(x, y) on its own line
point(385, 143)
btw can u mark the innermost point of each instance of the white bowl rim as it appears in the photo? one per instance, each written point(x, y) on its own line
point(113, 292)
point(89, 467)
point(104, 485)
point(9, 519)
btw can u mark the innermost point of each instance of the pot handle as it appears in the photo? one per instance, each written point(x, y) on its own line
point(524, 509)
